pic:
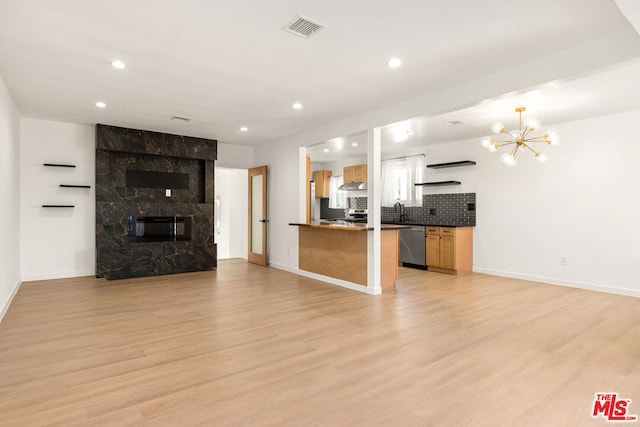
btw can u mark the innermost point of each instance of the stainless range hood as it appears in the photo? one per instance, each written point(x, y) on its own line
point(352, 186)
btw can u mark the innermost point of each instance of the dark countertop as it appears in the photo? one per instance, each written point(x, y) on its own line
point(428, 225)
point(349, 226)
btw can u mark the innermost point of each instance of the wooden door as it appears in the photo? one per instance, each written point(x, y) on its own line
point(308, 191)
point(448, 252)
point(433, 251)
point(258, 218)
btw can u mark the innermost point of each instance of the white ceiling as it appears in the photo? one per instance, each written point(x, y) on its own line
point(609, 91)
point(230, 64)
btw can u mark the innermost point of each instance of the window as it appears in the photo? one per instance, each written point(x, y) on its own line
point(337, 198)
point(399, 177)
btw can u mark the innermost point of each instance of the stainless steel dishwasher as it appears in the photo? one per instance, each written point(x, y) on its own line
point(413, 247)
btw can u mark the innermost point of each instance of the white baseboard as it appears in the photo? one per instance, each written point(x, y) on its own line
point(331, 280)
point(4, 309)
point(560, 282)
point(58, 275)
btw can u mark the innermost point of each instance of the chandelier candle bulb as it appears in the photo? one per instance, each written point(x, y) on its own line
point(515, 135)
point(509, 159)
point(552, 137)
point(497, 128)
point(520, 139)
point(532, 123)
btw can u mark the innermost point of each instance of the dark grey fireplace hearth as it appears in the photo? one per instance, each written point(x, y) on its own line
point(149, 174)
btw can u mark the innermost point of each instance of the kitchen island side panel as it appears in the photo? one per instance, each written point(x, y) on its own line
point(341, 254)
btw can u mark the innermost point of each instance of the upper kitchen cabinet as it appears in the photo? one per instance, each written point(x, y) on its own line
point(357, 173)
point(321, 179)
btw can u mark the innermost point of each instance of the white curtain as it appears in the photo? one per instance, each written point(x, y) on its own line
point(337, 198)
point(399, 177)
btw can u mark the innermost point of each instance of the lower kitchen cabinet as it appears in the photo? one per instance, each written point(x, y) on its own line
point(433, 249)
point(449, 249)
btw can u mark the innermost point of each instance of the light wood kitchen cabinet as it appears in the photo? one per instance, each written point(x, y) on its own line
point(357, 173)
point(433, 250)
point(448, 252)
point(321, 179)
point(449, 249)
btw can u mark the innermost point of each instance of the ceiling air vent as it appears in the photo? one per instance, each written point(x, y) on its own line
point(455, 123)
point(304, 27)
point(182, 119)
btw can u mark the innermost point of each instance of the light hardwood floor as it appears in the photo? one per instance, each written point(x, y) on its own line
point(247, 345)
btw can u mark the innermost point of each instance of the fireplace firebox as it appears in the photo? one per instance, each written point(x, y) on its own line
point(159, 229)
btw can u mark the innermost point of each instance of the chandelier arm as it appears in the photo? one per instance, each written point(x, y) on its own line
point(536, 139)
point(506, 143)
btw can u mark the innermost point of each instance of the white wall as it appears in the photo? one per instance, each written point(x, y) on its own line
point(235, 156)
point(283, 203)
point(10, 196)
point(581, 205)
point(232, 190)
point(57, 242)
point(282, 156)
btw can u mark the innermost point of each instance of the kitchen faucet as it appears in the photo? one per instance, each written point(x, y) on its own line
point(399, 207)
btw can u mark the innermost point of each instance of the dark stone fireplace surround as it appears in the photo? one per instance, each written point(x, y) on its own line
point(119, 150)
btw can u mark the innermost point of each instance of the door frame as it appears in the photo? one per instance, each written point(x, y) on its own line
point(254, 257)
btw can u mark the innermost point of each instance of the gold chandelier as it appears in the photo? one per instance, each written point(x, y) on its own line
point(520, 139)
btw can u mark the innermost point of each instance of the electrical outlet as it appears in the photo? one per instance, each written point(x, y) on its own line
point(563, 260)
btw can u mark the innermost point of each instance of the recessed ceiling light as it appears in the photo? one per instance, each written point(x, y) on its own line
point(394, 63)
point(326, 150)
point(101, 104)
point(244, 129)
point(354, 144)
point(118, 64)
point(297, 106)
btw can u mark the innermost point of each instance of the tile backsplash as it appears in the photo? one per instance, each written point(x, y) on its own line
point(455, 209)
point(328, 213)
point(358, 202)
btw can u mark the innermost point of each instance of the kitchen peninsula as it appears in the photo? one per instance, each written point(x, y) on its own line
point(339, 250)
